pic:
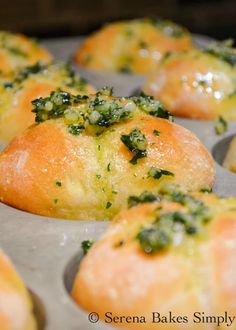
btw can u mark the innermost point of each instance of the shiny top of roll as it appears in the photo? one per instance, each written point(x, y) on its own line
point(132, 46)
point(197, 83)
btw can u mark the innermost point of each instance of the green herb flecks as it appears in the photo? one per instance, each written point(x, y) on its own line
point(55, 105)
point(156, 132)
point(153, 239)
point(136, 142)
point(17, 51)
point(157, 173)
point(223, 50)
point(105, 91)
point(206, 190)
point(169, 28)
point(109, 167)
point(144, 197)
point(142, 44)
point(108, 205)
point(105, 113)
point(8, 85)
point(58, 183)
point(152, 107)
point(221, 126)
point(86, 245)
point(125, 68)
point(171, 228)
point(75, 129)
point(99, 111)
point(29, 70)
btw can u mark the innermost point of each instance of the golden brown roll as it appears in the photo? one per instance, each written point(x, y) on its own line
point(87, 154)
point(17, 51)
point(28, 84)
point(16, 310)
point(230, 158)
point(132, 46)
point(175, 258)
point(197, 83)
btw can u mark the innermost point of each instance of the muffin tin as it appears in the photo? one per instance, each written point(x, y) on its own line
point(47, 252)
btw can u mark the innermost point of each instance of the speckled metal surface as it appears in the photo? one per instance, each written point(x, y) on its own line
point(46, 251)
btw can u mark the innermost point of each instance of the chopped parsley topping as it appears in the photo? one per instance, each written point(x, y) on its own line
point(75, 129)
point(223, 50)
point(109, 167)
point(86, 245)
point(29, 70)
point(165, 26)
point(125, 68)
point(136, 142)
point(17, 51)
point(144, 197)
point(105, 91)
point(169, 28)
point(108, 205)
point(119, 243)
point(221, 126)
point(58, 183)
point(60, 72)
point(98, 176)
point(156, 132)
point(153, 239)
point(143, 44)
point(168, 227)
point(206, 190)
point(99, 111)
point(152, 107)
point(55, 105)
point(8, 85)
point(157, 173)
point(105, 113)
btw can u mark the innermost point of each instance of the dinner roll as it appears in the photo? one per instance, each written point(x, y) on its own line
point(17, 50)
point(174, 258)
point(132, 46)
point(16, 310)
point(230, 158)
point(87, 154)
point(197, 84)
point(27, 84)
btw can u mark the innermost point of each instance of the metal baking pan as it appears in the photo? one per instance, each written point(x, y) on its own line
point(47, 252)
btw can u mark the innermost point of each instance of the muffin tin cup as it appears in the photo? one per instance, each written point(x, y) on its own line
point(46, 251)
point(42, 249)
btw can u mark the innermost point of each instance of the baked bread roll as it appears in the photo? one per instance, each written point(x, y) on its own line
point(230, 158)
point(132, 46)
point(28, 84)
point(174, 258)
point(198, 84)
point(87, 154)
point(17, 51)
point(16, 310)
